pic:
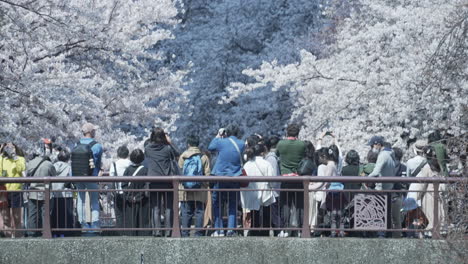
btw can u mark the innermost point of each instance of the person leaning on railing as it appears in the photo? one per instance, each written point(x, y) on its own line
point(161, 157)
point(228, 163)
point(39, 166)
point(291, 151)
point(192, 203)
point(12, 164)
point(424, 193)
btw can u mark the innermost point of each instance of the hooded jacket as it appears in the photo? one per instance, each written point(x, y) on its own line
point(44, 169)
point(161, 161)
point(63, 169)
point(194, 196)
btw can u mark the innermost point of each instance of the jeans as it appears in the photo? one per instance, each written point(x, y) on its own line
point(161, 202)
point(80, 207)
point(35, 216)
point(219, 200)
point(190, 209)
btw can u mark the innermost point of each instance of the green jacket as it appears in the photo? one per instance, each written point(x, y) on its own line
point(442, 157)
point(290, 152)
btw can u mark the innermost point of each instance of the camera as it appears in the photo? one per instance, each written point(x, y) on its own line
point(328, 133)
point(222, 132)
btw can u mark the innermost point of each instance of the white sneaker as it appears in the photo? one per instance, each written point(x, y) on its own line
point(283, 234)
point(216, 234)
point(246, 233)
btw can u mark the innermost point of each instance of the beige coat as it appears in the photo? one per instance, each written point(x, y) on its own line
point(194, 196)
point(426, 197)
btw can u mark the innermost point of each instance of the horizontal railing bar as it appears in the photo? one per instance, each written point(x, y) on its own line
point(170, 179)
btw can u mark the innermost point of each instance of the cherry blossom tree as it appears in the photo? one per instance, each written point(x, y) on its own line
point(65, 62)
point(394, 68)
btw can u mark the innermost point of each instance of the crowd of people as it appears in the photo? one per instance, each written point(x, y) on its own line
point(261, 204)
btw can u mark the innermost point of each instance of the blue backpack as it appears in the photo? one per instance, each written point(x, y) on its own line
point(193, 167)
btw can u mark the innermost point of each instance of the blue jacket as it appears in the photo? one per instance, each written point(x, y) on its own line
point(228, 161)
point(97, 154)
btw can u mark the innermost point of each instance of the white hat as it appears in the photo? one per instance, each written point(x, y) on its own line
point(419, 145)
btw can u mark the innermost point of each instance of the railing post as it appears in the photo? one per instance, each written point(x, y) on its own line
point(436, 225)
point(305, 220)
point(175, 209)
point(46, 231)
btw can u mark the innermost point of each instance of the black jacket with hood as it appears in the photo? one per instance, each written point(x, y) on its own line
point(161, 160)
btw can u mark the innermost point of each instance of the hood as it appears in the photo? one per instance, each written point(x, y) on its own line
point(190, 152)
point(155, 147)
point(62, 168)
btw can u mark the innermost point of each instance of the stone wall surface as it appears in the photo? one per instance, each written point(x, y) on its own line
point(230, 250)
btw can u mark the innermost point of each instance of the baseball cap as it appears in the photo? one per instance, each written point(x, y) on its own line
point(88, 128)
point(376, 140)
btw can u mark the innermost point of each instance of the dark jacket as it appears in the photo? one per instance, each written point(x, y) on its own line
point(306, 167)
point(161, 161)
point(135, 196)
point(351, 170)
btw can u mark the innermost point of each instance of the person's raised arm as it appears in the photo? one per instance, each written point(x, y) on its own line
point(214, 144)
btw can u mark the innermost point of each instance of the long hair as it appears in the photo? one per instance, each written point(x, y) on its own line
point(431, 157)
point(158, 136)
point(309, 150)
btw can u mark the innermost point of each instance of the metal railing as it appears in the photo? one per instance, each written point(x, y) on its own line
point(305, 229)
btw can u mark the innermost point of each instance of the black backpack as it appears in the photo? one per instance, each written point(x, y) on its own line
point(82, 162)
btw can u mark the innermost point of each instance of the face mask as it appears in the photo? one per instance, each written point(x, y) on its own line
point(375, 150)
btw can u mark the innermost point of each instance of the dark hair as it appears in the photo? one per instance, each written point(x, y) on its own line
point(233, 130)
point(352, 158)
point(398, 153)
point(387, 145)
point(255, 150)
point(252, 140)
point(429, 152)
point(293, 130)
point(434, 136)
point(271, 142)
point(137, 156)
point(193, 140)
point(122, 152)
point(334, 153)
point(372, 156)
point(309, 150)
point(63, 155)
point(322, 155)
point(158, 136)
point(19, 151)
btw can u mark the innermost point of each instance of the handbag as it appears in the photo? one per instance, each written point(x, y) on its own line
point(242, 184)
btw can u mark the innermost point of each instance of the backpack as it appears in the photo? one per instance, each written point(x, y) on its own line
point(82, 161)
point(193, 167)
